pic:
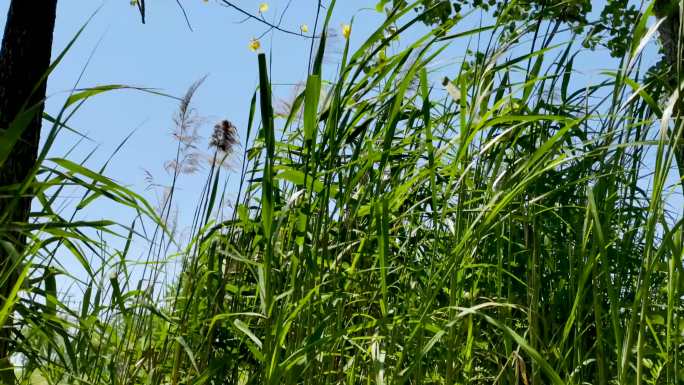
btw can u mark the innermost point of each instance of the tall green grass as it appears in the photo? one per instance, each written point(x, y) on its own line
point(510, 226)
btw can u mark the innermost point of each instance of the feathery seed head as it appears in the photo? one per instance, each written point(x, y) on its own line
point(224, 136)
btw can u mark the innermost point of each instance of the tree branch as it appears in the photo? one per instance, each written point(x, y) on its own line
point(263, 21)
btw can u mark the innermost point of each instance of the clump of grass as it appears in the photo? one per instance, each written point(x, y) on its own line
point(510, 228)
point(502, 231)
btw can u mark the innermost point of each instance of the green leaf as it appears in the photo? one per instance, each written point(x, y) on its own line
point(241, 326)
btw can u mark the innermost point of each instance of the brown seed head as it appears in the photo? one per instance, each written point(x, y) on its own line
point(224, 136)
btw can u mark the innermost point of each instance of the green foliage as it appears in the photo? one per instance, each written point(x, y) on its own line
point(505, 225)
point(612, 29)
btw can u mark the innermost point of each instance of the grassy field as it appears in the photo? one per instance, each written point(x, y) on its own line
point(512, 225)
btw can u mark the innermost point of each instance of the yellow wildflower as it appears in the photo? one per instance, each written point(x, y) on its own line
point(346, 31)
point(263, 7)
point(304, 28)
point(382, 56)
point(254, 45)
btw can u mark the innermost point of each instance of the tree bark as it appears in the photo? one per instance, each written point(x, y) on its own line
point(24, 62)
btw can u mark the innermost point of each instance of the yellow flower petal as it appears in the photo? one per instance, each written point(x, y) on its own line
point(263, 8)
point(254, 45)
point(304, 28)
point(346, 31)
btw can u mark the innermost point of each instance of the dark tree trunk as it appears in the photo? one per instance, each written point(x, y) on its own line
point(24, 61)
